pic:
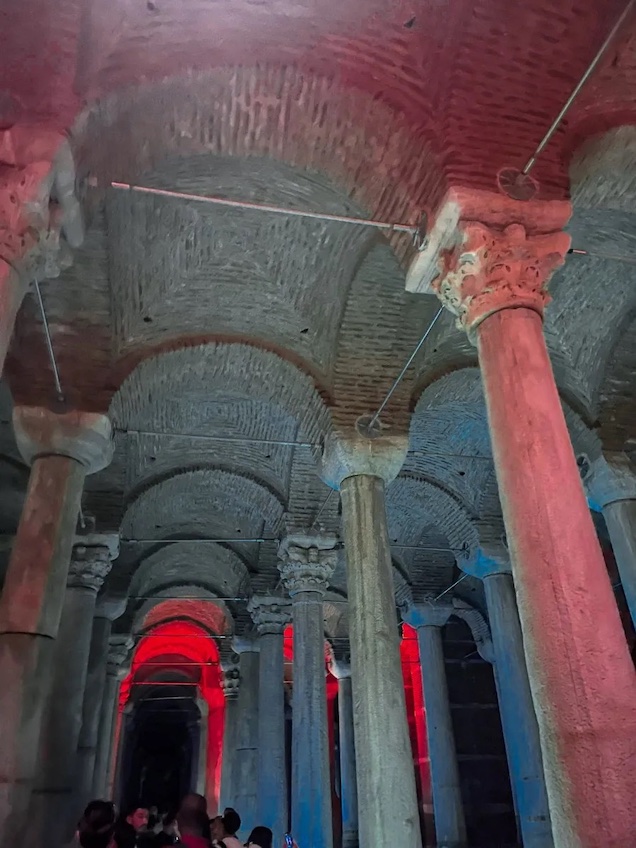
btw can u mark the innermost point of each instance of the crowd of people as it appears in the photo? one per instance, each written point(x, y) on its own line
point(190, 827)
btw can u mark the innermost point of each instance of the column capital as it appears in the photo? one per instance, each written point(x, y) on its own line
point(611, 478)
point(246, 643)
point(307, 560)
point(486, 563)
point(426, 614)
point(119, 656)
point(111, 607)
point(83, 436)
point(363, 452)
point(486, 252)
point(270, 614)
point(340, 666)
point(89, 567)
point(230, 680)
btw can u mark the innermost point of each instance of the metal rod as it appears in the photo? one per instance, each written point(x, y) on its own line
point(452, 586)
point(197, 539)
point(568, 103)
point(49, 343)
point(405, 369)
point(242, 439)
point(265, 207)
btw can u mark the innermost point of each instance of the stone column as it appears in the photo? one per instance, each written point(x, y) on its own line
point(489, 259)
point(387, 798)
point(306, 564)
point(117, 668)
point(271, 615)
point(341, 669)
point(36, 233)
point(108, 609)
point(62, 449)
point(201, 784)
point(612, 488)
point(448, 807)
point(247, 729)
point(230, 682)
point(518, 718)
point(52, 800)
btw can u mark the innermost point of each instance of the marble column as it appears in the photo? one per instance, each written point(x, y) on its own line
point(387, 800)
point(271, 615)
point(518, 718)
point(201, 778)
point(117, 667)
point(52, 813)
point(341, 670)
point(36, 233)
point(448, 808)
point(247, 729)
point(230, 682)
point(61, 449)
point(306, 564)
point(108, 609)
point(497, 257)
point(612, 488)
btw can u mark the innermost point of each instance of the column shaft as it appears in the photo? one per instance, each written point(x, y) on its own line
point(30, 611)
point(620, 518)
point(387, 800)
point(311, 784)
point(228, 761)
point(518, 718)
point(91, 710)
point(247, 733)
point(348, 784)
point(447, 799)
point(272, 772)
point(104, 753)
point(581, 674)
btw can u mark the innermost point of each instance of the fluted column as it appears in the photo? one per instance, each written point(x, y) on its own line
point(341, 670)
point(107, 610)
point(117, 667)
point(359, 465)
point(612, 487)
point(51, 805)
point(230, 682)
point(271, 615)
point(448, 808)
point(489, 259)
point(62, 449)
point(306, 564)
point(246, 759)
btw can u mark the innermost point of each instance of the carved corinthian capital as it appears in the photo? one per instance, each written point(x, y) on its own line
point(270, 614)
point(486, 252)
point(307, 561)
point(90, 565)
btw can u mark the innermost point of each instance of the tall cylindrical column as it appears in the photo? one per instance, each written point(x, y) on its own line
point(116, 670)
point(107, 611)
point(518, 718)
point(306, 564)
point(230, 682)
point(498, 256)
point(341, 669)
point(387, 799)
point(270, 616)
point(612, 487)
point(247, 729)
point(448, 808)
point(62, 450)
point(200, 784)
point(52, 805)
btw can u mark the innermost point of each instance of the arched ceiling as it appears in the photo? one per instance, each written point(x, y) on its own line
point(228, 345)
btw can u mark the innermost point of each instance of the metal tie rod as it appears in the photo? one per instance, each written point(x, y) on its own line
point(266, 207)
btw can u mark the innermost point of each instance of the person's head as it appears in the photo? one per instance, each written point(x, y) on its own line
point(194, 801)
point(97, 826)
point(193, 822)
point(231, 821)
point(137, 817)
point(261, 837)
point(217, 829)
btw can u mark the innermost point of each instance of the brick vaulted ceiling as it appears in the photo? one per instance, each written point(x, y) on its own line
point(182, 319)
